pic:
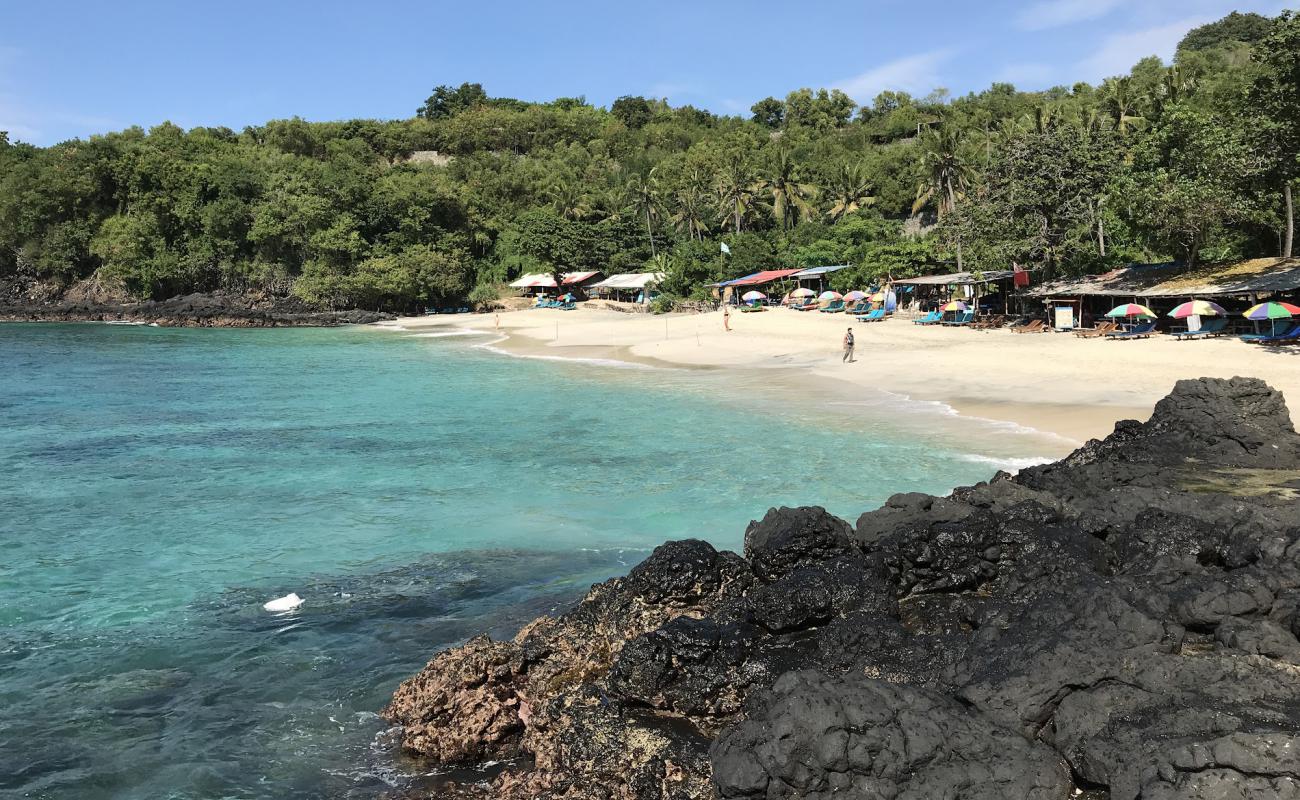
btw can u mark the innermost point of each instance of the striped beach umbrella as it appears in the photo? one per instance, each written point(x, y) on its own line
point(1197, 308)
point(1131, 310)
point(855, 295)
point(829, 295)
point(878, 297)
point(955, 305)
point(1271, 311)
point(751, 296)
point(803, 291)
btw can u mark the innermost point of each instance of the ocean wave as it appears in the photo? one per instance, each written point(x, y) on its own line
point(1011, 464)
point(601, 362)
point(445, 334)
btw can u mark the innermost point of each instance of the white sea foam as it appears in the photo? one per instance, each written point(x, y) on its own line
point(445, 334)
point(287, 603)
point(1011, 464)
point(602, 362)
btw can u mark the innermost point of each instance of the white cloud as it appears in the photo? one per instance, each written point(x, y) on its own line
point(1119, 52)
point(1056, 13)
point(915, 74)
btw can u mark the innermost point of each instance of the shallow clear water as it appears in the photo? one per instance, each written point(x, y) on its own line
point(160, 484)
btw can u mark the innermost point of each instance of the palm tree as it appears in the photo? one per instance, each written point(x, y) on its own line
point(1120, 101)
point(568, 199)
point(947, 173)
point(692, 205)
point(609, 203)
point(849, 190)
point(792, 201)
point(644, 196)
point(735, 189)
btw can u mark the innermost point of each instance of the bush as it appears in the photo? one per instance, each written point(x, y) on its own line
point(663, 304)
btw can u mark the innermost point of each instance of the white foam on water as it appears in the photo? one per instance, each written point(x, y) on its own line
point(1010, 464)
point(445, 334)
point(600, 362)
point(287, 603)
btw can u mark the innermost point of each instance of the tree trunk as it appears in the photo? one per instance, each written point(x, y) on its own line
point(649, 235)
point(1101, 228)
point(1290, 220)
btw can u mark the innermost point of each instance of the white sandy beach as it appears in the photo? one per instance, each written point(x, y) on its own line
point(1054, 382)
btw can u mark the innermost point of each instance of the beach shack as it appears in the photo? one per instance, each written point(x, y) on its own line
point(628, 287)
point(815, 277)
point(1076, 302)
point(989, 291)
point(728, 291)
point(543, 283)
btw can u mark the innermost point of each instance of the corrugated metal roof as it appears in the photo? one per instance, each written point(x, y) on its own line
point(544, 280)
point(629, 280)
point(1257, 276)
point(957, 278)
point(766, 276)
point(813, 272)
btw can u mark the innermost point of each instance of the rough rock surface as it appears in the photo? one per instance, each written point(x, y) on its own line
point(1120, 624)
point(92, 303)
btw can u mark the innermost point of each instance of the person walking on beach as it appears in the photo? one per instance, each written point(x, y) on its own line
point(726, 318)
point(848, 347)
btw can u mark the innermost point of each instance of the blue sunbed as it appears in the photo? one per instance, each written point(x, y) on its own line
point(933, 318)
point(874, 316)
point(1212, 327)
point(1287, 336)
point(1137, 332)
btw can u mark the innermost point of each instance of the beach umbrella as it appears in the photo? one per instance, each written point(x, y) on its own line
point(829, 295)
point(1271, 311)
point(1130, 310)
point(855, 295)
point(568, 297)
point(878, 297)
point(955, 305)
point(1193, 308)
point(803, 292)
point(751, 296)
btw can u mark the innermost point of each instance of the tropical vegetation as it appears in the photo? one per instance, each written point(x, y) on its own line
point(1191, 161)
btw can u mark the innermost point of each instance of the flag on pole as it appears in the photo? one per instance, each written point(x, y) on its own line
point(1020, 276)
point(726, 249)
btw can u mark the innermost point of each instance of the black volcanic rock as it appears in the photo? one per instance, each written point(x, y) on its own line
point(1121, 624)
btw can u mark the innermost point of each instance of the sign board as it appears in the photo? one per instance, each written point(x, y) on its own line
point(1064, 317)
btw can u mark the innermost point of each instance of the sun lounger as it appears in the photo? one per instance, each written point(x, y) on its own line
point(991, 321)
point(749, 308)
point(861, 307)
point(1034, 326)
point(1101, 329)
point(933, 318)
point(1287, 336)
point(1141, 331)
point(1212, 327)
point(834, 308)
point(964, 318)
point(875, 316)
point(811, 305)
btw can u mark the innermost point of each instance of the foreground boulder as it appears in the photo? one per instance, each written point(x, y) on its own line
point(1120, 624)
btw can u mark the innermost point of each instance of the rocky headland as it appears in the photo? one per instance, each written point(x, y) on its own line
point(91, 301)
point(1120, 624)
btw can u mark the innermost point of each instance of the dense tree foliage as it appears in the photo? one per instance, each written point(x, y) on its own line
point(1192, 160)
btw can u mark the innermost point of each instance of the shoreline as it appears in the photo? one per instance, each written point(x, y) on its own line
point(1077, 386)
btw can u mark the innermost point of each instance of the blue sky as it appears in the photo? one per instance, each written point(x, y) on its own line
point(79, 67)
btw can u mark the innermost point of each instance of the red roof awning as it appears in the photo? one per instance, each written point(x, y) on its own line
point(766, 276)
point(578, 277)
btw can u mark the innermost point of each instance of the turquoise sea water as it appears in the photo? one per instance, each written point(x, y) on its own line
point(159, 485)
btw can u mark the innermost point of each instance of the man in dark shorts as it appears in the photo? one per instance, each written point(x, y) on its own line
point(848, 347)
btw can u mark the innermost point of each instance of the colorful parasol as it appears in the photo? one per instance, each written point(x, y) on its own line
point(751, 296)
point(829, 295)
point(1197, 308)
point(1271, 311)
point(955, 305)
point(855, 295)
point(1131, 310)
point(803, 292)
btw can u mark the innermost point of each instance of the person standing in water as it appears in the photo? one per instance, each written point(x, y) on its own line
point(848, 347)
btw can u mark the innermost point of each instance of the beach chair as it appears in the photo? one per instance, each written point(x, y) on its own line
point(750, 308)
point(835, 307)
point(809, 305)
point(1141, 331)
point(875, 316)
point(933, 318)
point(1033, 326)
point(1212, 327)
point(1281, 338)
point(964, 318)
point(1101, 329)
point(989, 322)
point(569, 306)
point(860, 307)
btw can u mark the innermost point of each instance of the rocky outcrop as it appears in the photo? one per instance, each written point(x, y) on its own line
point(87, 302)
point(1121, 624)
